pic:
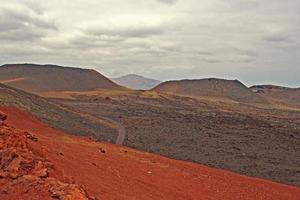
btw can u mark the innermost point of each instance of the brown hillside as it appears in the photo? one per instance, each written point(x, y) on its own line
point(278, 93)
point(45, 78)
point(41, 163)
point(216, 88)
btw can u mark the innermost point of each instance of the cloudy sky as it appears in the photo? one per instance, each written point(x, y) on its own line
point(255, 41)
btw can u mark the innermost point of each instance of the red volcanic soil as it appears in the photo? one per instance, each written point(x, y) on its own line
point(85, 167)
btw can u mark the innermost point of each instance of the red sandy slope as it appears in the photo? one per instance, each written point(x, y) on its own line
point(108, 171)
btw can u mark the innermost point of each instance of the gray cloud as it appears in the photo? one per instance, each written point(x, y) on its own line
point(204, 53)
point(247, 60)
point(248, 52)
point(32, 5)
point(277, 38)
point(168, 1)
point(230, 39)
point(22, 26)
point(245, 5)
point(208, 60)
point(125, 32)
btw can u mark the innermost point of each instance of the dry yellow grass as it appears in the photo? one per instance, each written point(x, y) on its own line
point(98, 92)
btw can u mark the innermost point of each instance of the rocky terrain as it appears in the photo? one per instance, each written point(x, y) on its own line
point(250, 140)
point(136, 82)
point(25, 173)
point(38, 162)
point(45, 78)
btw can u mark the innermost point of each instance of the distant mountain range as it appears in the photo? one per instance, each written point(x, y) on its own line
point(41, 79)
point(136, 82)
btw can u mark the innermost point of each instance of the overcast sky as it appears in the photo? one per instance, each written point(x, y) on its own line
point(255, 41)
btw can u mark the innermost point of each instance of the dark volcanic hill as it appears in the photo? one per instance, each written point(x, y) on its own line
point(278, 93)
point(136, 82)
point(45, 78)
point(214, 88)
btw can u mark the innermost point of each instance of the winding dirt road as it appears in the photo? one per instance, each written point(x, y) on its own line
point(121, 130)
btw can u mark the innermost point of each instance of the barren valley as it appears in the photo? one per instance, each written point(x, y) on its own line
point(232, 128)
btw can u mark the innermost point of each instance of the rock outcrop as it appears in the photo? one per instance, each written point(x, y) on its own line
point(3, 117)
point(25, 175)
